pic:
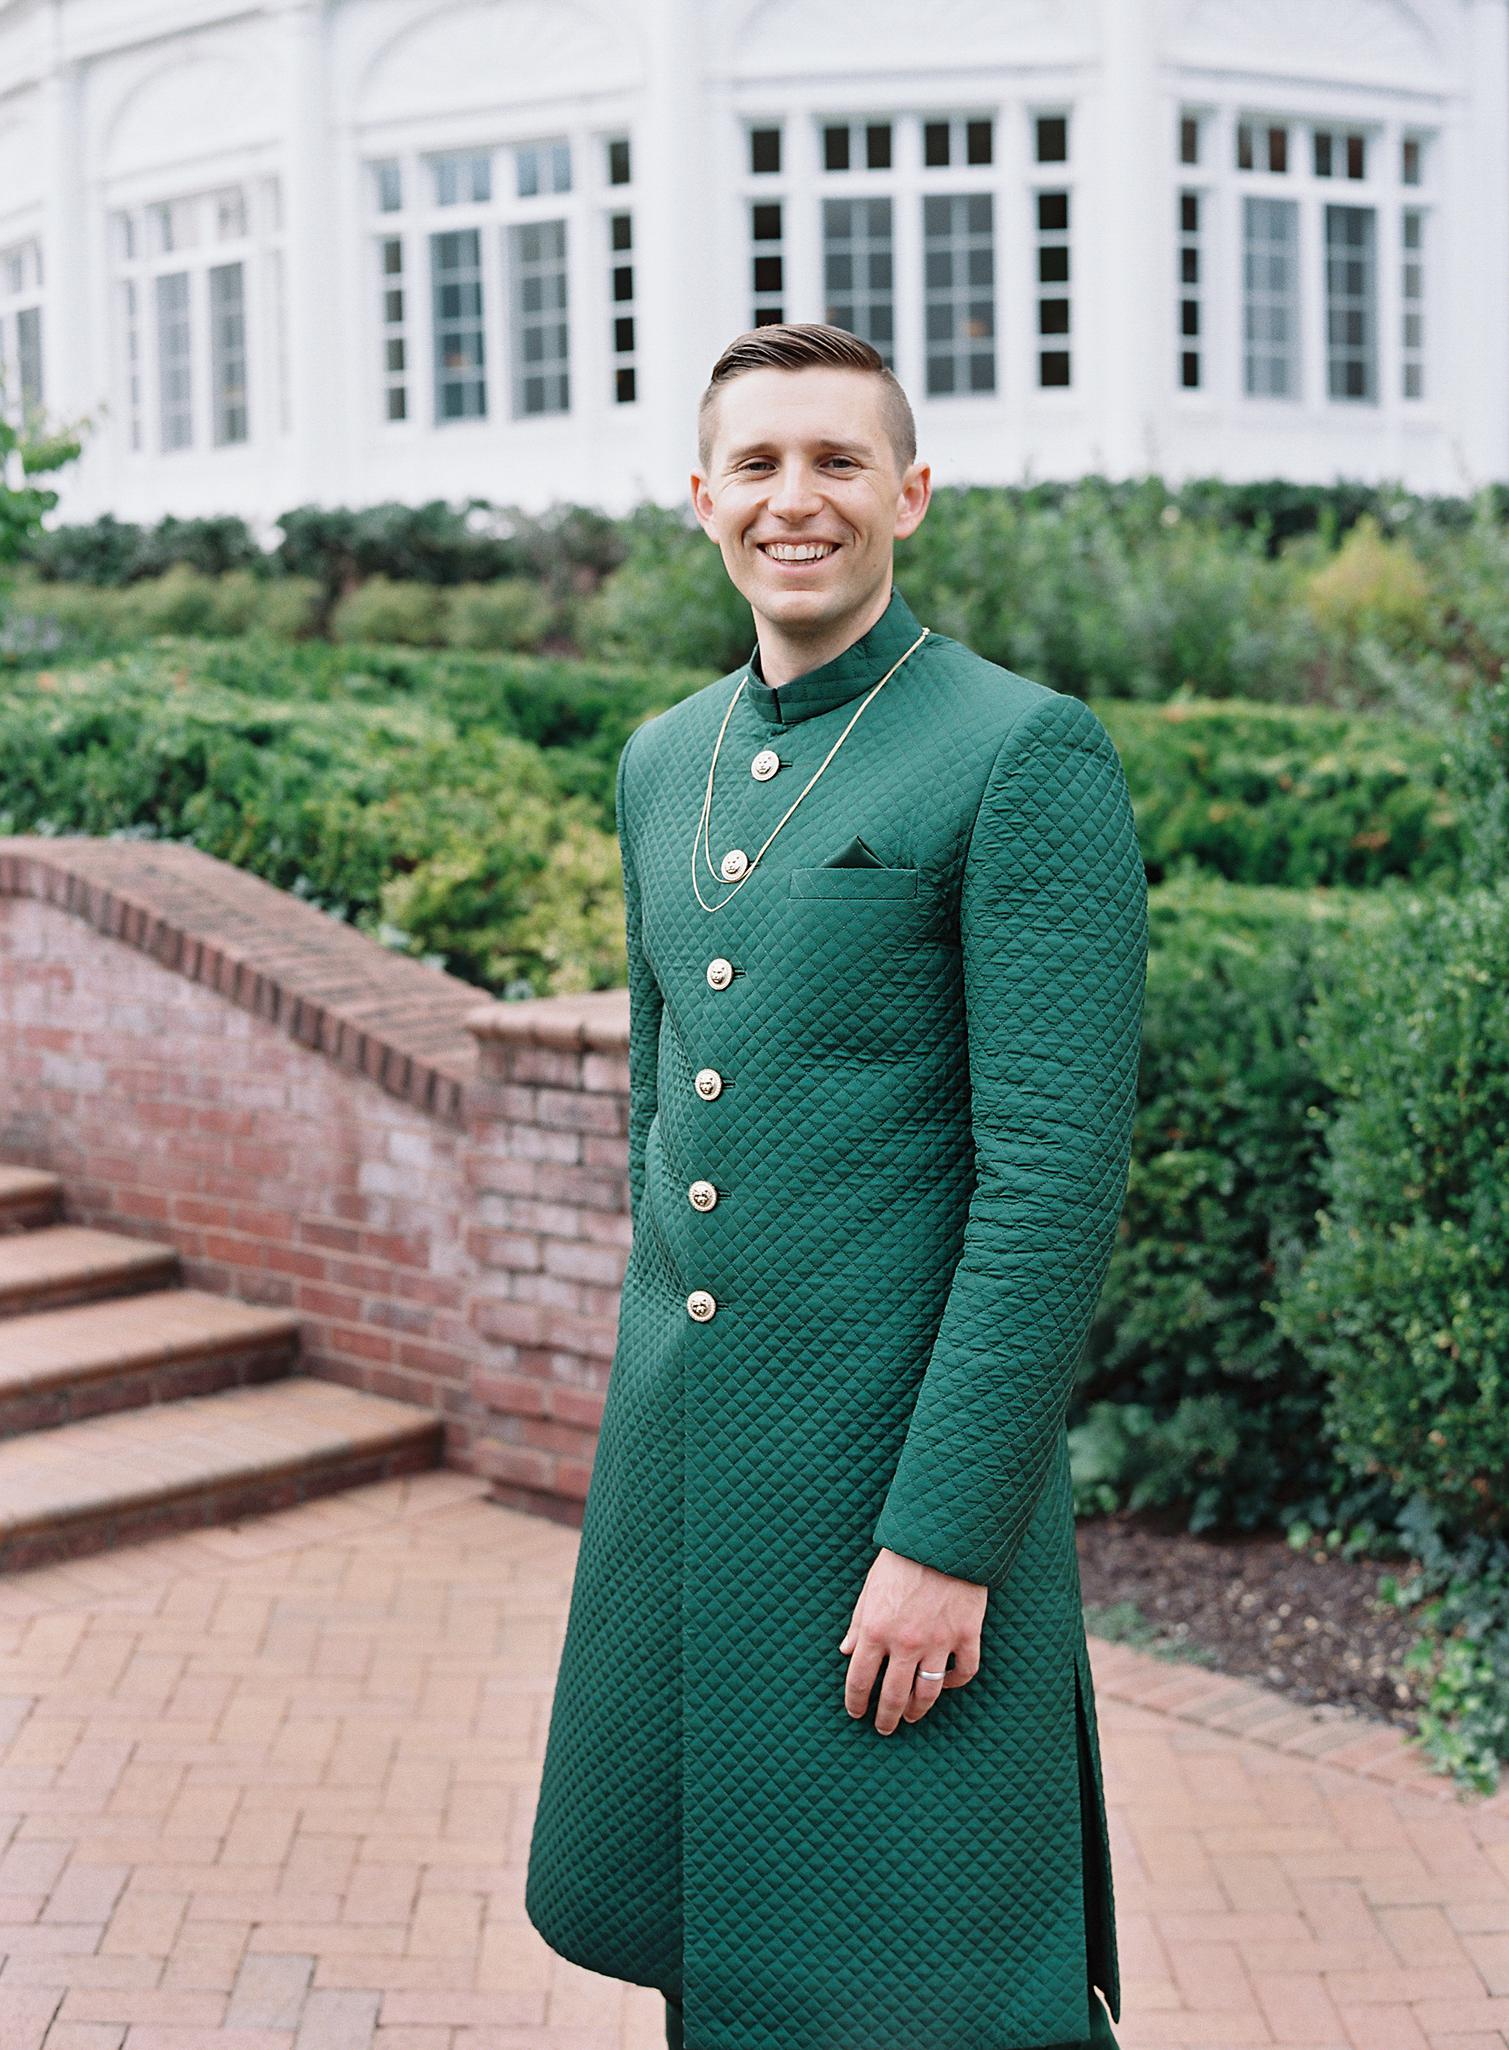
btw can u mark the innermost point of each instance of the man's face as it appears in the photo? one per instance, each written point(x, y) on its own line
point(802, 493)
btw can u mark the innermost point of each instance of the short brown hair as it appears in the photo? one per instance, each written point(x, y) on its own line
point(797, 345)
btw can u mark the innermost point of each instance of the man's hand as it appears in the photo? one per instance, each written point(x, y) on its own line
point(912, 1616)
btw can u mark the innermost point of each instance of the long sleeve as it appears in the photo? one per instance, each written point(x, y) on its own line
point(1053, 928)
point(645, 1000)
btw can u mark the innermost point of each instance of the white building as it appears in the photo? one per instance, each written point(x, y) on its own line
point(348, 250)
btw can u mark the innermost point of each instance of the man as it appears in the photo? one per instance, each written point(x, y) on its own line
point(887, 931)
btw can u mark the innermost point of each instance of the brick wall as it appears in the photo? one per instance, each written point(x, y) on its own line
point(434, 1182)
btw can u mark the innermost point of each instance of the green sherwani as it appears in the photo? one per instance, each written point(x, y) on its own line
point(912, 1094)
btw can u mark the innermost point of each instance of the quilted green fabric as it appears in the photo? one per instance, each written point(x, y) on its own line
point(919, 1138)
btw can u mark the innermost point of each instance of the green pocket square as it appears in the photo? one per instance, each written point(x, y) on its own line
point(855, 855)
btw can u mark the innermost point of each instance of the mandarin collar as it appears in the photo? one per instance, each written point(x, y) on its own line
point(862, 663)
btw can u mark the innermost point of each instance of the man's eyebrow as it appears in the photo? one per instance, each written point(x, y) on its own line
point(763, 448)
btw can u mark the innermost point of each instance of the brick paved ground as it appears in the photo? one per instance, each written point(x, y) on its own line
point(277, 1782)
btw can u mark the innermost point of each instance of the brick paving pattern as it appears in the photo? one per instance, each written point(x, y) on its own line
point(270, 1787)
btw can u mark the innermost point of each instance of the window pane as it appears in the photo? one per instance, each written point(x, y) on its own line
point(618, 160)
point(456, 287)
point(857, 270)
point(228, 351)
point(1188, 302)
point(1189, 140)
point(395, 352)
point(935, 137)
point(1270, 297)
point(958, 295)
point(1351, 303)
point(765, 149)
point(835, 149)
point(538, 322)
point(29, 358)
point(462, 176)
point(1052, 139)
point(878, 146)
point(979, 142)
point(387, 182)
point(174, 395)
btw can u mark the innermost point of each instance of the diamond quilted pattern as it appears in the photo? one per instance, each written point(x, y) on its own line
point(920, 1151)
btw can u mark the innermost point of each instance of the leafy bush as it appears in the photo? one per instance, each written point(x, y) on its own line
point(671, 602)
point(1403, 1302)
point(1370, 583)
point(412, 615)
point(85, 617)
point(112, 553)
point(462, 848)
point(508, 615)
point(1287, 795)
point(1191, 1394)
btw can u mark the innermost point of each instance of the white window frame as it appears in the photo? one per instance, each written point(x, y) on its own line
point(1382, 188)
point(21, 294)
point(201, 240)
point(802, 184)
point(619, 202)
point(585, 206)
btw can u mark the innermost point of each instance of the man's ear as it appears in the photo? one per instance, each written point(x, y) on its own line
point(702, 504)
point(913, 499)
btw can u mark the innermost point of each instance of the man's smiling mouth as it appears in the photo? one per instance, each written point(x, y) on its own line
point(797, 551)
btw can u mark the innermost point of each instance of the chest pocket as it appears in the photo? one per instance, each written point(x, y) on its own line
point(855, 885)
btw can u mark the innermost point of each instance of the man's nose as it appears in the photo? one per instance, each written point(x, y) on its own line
point(793, 492)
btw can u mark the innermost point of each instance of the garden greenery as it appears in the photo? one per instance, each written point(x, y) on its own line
point(412, 716)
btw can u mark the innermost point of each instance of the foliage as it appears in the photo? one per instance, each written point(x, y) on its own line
point(1190, 1394)
point(87, 618)
point(1461, 1590)
point(463, 848)
point(1403, 1301)
point(406, 615)
point(27, 451)
point(671, 601)
point(1286, 795)
point(508, 615)
point(1370, 582)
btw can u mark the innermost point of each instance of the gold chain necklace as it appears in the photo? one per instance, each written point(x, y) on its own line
point(707, 801)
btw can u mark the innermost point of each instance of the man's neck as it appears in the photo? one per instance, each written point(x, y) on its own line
point(784, 656)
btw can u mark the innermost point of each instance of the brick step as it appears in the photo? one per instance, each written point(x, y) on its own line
point(59, 1366)
point(208, 1459)
point(28, 1196)
point(57, 1264)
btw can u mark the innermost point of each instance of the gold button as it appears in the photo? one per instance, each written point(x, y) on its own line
point(720, 973)
point(703, 1195)
point(708, 1084)
point(700, 1304)
point(733, 864)
point(765, 764)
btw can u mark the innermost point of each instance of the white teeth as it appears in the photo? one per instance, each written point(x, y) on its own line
point(794, 552)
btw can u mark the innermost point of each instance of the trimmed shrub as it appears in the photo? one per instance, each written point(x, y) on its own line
point(1190, 1394)
point(184, 601)
point(463, 848)
point(1287, 795)
point(508, 615)
point(411, 615)
point(1403, 1302)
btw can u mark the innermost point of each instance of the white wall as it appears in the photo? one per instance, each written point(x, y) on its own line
point(117, 104)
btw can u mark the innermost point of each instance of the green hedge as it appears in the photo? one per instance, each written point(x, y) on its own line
point(460, 845)
point(1279, 594)
point(1403, 1302)
point(1190, 1395)
point(1289, 795)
